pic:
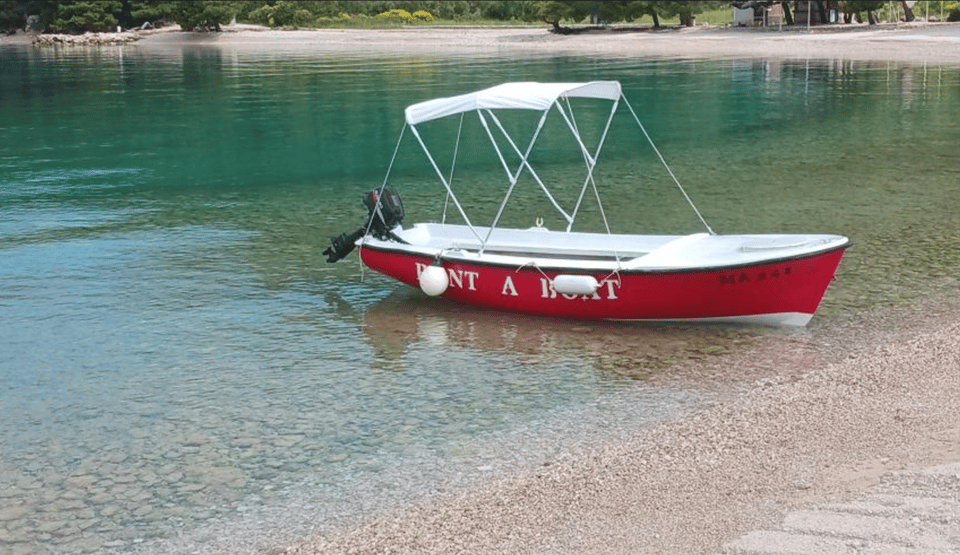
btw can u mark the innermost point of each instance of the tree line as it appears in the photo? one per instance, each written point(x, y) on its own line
point(78, 16)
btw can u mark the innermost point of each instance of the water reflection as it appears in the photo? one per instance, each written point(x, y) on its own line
point(637, 351)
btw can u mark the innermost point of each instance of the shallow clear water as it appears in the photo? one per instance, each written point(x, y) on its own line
point(179, 361)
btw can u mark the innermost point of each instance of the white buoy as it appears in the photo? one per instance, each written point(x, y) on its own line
point(575, 285)
point(434, 280)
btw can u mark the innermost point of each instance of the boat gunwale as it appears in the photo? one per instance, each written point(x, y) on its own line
point(523, 262)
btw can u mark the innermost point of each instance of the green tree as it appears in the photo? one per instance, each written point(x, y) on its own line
point(204, 15)
point(606, 12)
point(851, 8)
point(286, 13)
point(552, 13)
point(786, 12)
point(648, 8)
point(152, 11)
point(907, 12)
point(82, 16)
point(502, 11)
point(686, 10)
point(12, 15)
point(613, 12)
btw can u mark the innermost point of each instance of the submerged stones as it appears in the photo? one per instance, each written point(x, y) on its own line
point(111, 500)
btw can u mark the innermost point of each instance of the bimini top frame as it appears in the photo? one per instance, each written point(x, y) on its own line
point(526, 96)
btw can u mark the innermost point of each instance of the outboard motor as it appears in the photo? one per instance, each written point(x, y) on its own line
point(384, 212)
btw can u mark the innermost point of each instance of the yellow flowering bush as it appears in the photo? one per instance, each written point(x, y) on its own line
point(422, 16)
point(403, 17)
point(386, 19)
point(396, 16)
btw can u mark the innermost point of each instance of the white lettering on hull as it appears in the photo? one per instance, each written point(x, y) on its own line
point(462, 279)
point(508, 288)
point(456, 277)
point(548, 292)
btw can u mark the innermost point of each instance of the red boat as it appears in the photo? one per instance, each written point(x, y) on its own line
point(764, 279)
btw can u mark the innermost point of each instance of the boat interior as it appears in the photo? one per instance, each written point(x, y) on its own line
point(537, 241)
point(601, 251)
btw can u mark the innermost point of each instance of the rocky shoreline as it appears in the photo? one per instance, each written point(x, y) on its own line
point(87, 39)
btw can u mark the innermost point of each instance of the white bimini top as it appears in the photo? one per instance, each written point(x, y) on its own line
point(523, 96)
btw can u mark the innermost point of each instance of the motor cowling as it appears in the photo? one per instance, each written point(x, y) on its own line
point(384, 213)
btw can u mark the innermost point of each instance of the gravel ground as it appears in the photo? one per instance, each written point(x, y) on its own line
point(908, 42)
point(891, 402)
point(914, 42)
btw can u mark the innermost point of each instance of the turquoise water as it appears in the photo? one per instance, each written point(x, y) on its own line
point(179, 364)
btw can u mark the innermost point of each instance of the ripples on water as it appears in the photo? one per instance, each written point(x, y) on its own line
point(179, 361)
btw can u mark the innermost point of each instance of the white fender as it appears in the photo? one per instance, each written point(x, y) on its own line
point(575, 285)
point(434, 280)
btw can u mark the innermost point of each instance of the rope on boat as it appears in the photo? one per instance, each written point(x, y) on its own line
point(360, 260)
point(376, 207)
point(616, 273)
point(535, 266)
point(675, 180)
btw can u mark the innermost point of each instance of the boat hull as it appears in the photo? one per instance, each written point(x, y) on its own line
point(778, 292)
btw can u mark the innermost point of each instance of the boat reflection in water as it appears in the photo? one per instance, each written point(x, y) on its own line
point(701, 357)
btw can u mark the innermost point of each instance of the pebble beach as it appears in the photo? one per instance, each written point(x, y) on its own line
point(907, 42)
point(691, 485)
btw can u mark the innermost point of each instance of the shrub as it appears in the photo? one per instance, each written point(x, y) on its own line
point(262, 15)
point(422, 17)
point(400, 17)
point(282, 14)
point(341, 20)
point(302, 18)
point(403, 17)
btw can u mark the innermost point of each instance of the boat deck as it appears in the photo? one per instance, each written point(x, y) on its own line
point(535, 241)
point(603, 252)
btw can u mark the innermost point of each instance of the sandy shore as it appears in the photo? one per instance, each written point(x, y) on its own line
point(914, 42)
point(689, 486)
point(935, 43)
